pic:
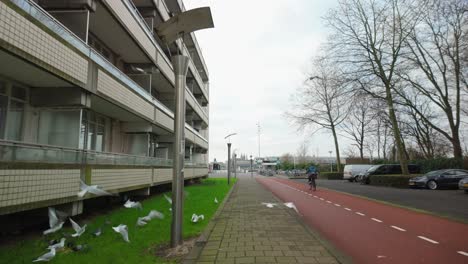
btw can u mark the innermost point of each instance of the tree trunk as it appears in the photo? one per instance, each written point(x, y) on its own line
point(337, 150)
point(397, 134)
point(457, 148)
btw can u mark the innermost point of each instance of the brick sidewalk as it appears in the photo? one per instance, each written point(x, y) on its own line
point(246, 231)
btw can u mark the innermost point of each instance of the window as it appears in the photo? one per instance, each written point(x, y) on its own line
point(12, 104)
point(92, 132)
point(3, 109)
point(59, 127)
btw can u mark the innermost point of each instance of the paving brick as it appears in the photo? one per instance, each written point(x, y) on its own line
point(236, 254)
point(286, 260)
point(265, 260)
point(273, 253)
point(245, 260)
point(253, 253)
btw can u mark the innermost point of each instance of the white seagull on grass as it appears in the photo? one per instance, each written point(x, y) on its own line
point(195, 218)
point(54, 222)
point(123, 230)
point(47, 256)
point(78, 229)
point(216, 200)
point(130, 204)
point(59, 245)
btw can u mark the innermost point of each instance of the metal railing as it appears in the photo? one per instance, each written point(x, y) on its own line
point(14, 151)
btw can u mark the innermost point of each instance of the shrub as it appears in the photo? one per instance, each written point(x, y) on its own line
point(428, 165)
point(394, 180)
point(331, 175)
point(438, 164)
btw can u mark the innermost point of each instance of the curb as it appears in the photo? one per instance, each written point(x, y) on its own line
point(338, 255)
point(195, 252)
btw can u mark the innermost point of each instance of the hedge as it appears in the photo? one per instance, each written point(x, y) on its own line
point(433, 164)
point(393, 180)
point(331, 175)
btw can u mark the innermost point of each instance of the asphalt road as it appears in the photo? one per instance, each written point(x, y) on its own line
point(452, 203)
point(372, 232)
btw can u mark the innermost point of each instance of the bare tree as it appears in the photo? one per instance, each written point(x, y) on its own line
point(302, 153)
point(287, 158)
point(356, 126)
point(368, 38)
point(322, 102)
point(435, 68)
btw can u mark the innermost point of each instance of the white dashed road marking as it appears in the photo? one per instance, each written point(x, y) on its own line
point(322, 199)
point(329, 202)
point(428, 240)
point(398, 228)
point(361, 214)
point(346, 208)
point(337, 205)
point(377, 220)
point(463, 253)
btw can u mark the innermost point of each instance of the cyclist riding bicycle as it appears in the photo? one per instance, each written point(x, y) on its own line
point(312, 174)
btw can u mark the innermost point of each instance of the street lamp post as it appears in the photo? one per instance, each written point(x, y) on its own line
point(173, 30)
point(251, 167)
point(235, 165)
point(229, 156)
point(229, 163)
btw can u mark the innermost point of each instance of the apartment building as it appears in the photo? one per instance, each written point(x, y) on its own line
point(87, 92)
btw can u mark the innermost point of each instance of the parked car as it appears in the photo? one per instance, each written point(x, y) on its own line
point(351, 172)
point(463, 184)
point(439, 179)
point(387, 169)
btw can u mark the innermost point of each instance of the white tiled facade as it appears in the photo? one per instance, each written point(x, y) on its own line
point(112, 179)
point(29, 186)
point(24, 35)
point(113, 89)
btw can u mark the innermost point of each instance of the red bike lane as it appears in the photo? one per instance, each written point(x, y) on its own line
point(372, 232)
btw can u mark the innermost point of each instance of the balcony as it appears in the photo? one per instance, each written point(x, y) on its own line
point(55, 26)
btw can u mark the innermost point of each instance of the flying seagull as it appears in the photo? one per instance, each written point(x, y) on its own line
point(47, 256)
point(141, 221)
point(195, 218)
point(123, 230)
point(93, 189)
point(291, 205)
point(130, 204)
point(59, 245)
point(169, 200)
point(78, 229)
point(269, 205)
point(54, 222)
point(216, 200)
point(152, 215)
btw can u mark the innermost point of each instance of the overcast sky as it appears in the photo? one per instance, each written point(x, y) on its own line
point(257, 56)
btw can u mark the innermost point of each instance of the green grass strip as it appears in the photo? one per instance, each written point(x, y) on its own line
point(110, 247)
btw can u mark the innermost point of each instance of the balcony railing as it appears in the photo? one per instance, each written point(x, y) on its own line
point(14, 151)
